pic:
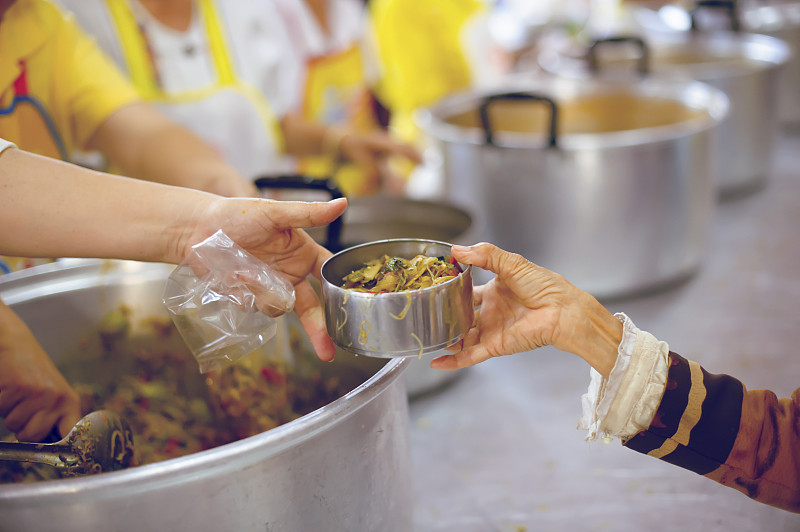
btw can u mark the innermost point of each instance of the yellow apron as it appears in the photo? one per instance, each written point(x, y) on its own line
point(231, 115)
point(25, 122)
point(336, 93)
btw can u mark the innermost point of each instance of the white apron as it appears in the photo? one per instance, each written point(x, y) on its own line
point(231, 115)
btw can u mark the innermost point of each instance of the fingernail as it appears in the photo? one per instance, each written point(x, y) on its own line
point(461, 249)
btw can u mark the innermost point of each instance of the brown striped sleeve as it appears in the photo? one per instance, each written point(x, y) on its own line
point(712, 425)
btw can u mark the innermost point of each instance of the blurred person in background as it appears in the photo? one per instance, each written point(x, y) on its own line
point(228, 72)
point(429, 50)
point(331, 46)
point(59, 93)
point(59, 209)
point(655, 401)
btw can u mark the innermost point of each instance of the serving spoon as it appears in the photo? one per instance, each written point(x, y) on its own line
point(100, 441)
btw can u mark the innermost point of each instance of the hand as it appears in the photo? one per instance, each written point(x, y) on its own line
point(34, 396)
point(270, 230)
point(526, 307)
point(370, 150)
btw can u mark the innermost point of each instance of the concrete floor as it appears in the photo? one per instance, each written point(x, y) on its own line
point(497, 450)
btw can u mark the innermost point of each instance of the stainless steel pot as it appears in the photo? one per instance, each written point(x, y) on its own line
point(775, 18)
point(744, 66)
point(610, 185)
point(345, 466)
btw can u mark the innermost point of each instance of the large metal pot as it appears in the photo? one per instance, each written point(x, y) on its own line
point(744, 66)
point(615, 192)
point(775, 18)
point(345, 466)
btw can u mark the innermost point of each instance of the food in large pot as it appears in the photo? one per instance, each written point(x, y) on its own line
point(608, 184)
point(744, 66)
point(343, 466)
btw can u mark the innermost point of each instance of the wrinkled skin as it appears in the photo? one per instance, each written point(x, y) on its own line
point(526, 307)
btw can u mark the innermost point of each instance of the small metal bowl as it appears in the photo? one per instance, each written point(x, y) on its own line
point(398, 324)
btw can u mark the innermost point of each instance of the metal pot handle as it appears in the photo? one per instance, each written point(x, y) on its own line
point(642, 64)
point(488, 100)
point(727, 5)
point(333, 237)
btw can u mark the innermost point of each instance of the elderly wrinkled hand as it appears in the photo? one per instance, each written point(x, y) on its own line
point(34, 396)
point(271, 230)
point(526, 307)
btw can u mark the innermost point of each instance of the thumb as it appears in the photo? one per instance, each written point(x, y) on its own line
point(299, 214)
point(489, 257)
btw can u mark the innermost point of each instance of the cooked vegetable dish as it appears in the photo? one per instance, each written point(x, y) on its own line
point(151, 379)
point(396, 274)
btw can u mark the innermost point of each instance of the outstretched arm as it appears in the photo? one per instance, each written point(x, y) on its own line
point(657, 402)
point(72, 211)
point(75, 212)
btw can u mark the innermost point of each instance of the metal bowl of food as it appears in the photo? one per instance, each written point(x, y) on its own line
point(396, 298)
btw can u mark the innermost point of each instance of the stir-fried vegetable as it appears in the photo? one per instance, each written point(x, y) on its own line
point(396, 274)
point(174, 410)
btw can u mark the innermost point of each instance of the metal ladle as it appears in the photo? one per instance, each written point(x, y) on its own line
point(101, 441)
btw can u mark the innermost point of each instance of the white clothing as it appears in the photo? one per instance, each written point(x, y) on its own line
point(260, 53)
point(625, 404)
point(4, 145)
point(345, 26)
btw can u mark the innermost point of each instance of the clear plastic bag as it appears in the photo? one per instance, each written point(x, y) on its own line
point(219, 299)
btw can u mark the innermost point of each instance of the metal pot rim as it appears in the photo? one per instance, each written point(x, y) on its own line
point(763, 51)
point(700, 95)
point(772, 17)
point(77, 274)
point(761, 18)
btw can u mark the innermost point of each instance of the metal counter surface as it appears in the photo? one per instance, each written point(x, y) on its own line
point(498, 450)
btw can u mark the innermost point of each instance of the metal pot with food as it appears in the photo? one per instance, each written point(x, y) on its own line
point(609, 184)
point(744, 66)
point(280, 441)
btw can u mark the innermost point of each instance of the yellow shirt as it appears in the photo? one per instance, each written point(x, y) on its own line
point(420, 48)
point(56, 87)
point(65, 74)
